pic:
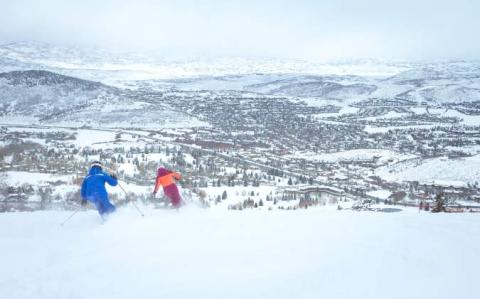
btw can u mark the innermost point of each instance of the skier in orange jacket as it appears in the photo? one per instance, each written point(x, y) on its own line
point(165, 179)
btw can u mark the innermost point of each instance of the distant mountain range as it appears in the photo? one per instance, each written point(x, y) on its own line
point(53, 84)
point(108, 67)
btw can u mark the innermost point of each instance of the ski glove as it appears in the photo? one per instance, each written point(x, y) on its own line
point(83, 202)
point(114, 177)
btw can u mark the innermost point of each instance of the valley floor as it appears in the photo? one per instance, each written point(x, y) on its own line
point(212, 253)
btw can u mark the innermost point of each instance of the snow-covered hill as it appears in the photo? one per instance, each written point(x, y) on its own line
point(53, 98)
point(440, 83)
point(315, 86)
point(47, 95)
point(440, 171)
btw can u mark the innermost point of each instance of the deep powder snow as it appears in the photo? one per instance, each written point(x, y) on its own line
point(195, 253)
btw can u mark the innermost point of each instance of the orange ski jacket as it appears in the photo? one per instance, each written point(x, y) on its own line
point(165, 178)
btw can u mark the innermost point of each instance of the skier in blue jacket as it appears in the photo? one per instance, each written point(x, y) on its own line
point(93, 188)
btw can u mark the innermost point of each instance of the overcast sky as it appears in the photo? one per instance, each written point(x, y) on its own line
point(317, 30)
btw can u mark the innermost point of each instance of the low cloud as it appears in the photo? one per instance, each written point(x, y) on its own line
point(295, 29)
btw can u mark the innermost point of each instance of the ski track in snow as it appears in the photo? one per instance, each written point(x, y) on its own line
point(196, 253)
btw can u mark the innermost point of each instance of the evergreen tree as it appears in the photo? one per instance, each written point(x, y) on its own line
point(439, 203)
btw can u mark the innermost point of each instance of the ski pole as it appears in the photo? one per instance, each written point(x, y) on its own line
point(126, 195)
point(69, 217)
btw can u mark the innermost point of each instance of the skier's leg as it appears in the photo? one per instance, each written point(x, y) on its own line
point(177, 200)
point(108, 207)
point(175, 196)
point(167, 191)
point(104, 206)
point(99, 206)
point(171, 191)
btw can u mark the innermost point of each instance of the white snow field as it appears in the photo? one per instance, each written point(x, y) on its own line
point(196, 253)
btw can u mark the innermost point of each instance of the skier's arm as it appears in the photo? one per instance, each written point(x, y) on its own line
point(177, 176)
point(83, 193)
point(83, 190)
point(110, 179)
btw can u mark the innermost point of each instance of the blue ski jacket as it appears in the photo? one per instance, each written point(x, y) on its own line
point(93, 189)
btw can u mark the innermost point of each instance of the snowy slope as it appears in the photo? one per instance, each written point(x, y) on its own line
point(211, 254)
point(453, 82)
point(442, 171)
point(44, 94)
point(450, 93)
point(317, 88)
